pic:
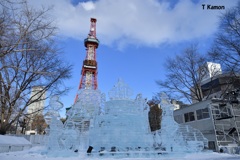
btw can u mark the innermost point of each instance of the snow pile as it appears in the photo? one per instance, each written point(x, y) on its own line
point(11, 143)
point(11, 140)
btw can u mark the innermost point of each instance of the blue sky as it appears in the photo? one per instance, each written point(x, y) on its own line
point(136, 37)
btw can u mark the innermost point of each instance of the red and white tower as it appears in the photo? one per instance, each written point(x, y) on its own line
point(89, 67)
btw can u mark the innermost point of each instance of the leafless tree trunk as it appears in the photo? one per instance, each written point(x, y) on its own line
point(183, 79)
point(154, 117)
point(29, 56)
point(226, 49)
point(39, 124)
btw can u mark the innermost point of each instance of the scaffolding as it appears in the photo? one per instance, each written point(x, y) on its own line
point(226, 121)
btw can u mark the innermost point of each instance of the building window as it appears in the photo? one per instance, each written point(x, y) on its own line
point(202, 113)
point(178, 118)
point(189, 117)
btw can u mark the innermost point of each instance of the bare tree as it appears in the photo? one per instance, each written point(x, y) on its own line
point(39, 124)
point(154, 116)
point(183, 80)
point(29, 56)
point(226, 49)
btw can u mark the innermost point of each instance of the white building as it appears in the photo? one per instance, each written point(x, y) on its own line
point(210, 70)
point(36, 108)
point(218, 120)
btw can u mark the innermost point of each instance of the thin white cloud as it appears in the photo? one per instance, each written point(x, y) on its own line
point(88, 6)
point(138, 22)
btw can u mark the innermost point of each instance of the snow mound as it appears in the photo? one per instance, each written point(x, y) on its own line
point(11, 144)
point(11, 140)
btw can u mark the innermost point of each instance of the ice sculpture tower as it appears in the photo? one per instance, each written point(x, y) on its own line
point(124, 125)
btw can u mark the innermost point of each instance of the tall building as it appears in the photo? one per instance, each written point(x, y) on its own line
point(37, 107)
point(35, 110)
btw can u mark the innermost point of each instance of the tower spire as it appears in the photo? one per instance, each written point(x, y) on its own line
point(89, 67)
point(93, 28)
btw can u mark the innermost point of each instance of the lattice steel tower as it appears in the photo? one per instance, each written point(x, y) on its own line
point(89, 67)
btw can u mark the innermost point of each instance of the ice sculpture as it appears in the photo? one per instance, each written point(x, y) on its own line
point(63, 142)
point(54, 106)
point(120, 91)
point(69, 139)
point(120, 125)
point(173, 137)
point(81, 115)
point(54, 134)
point(89, 104)
point(124, 127)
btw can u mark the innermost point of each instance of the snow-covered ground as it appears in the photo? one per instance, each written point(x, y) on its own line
point(35, 154)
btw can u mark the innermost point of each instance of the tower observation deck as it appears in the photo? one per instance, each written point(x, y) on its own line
point(89, 67)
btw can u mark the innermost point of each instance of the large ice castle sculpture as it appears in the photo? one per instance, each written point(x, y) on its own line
point(120, 125)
